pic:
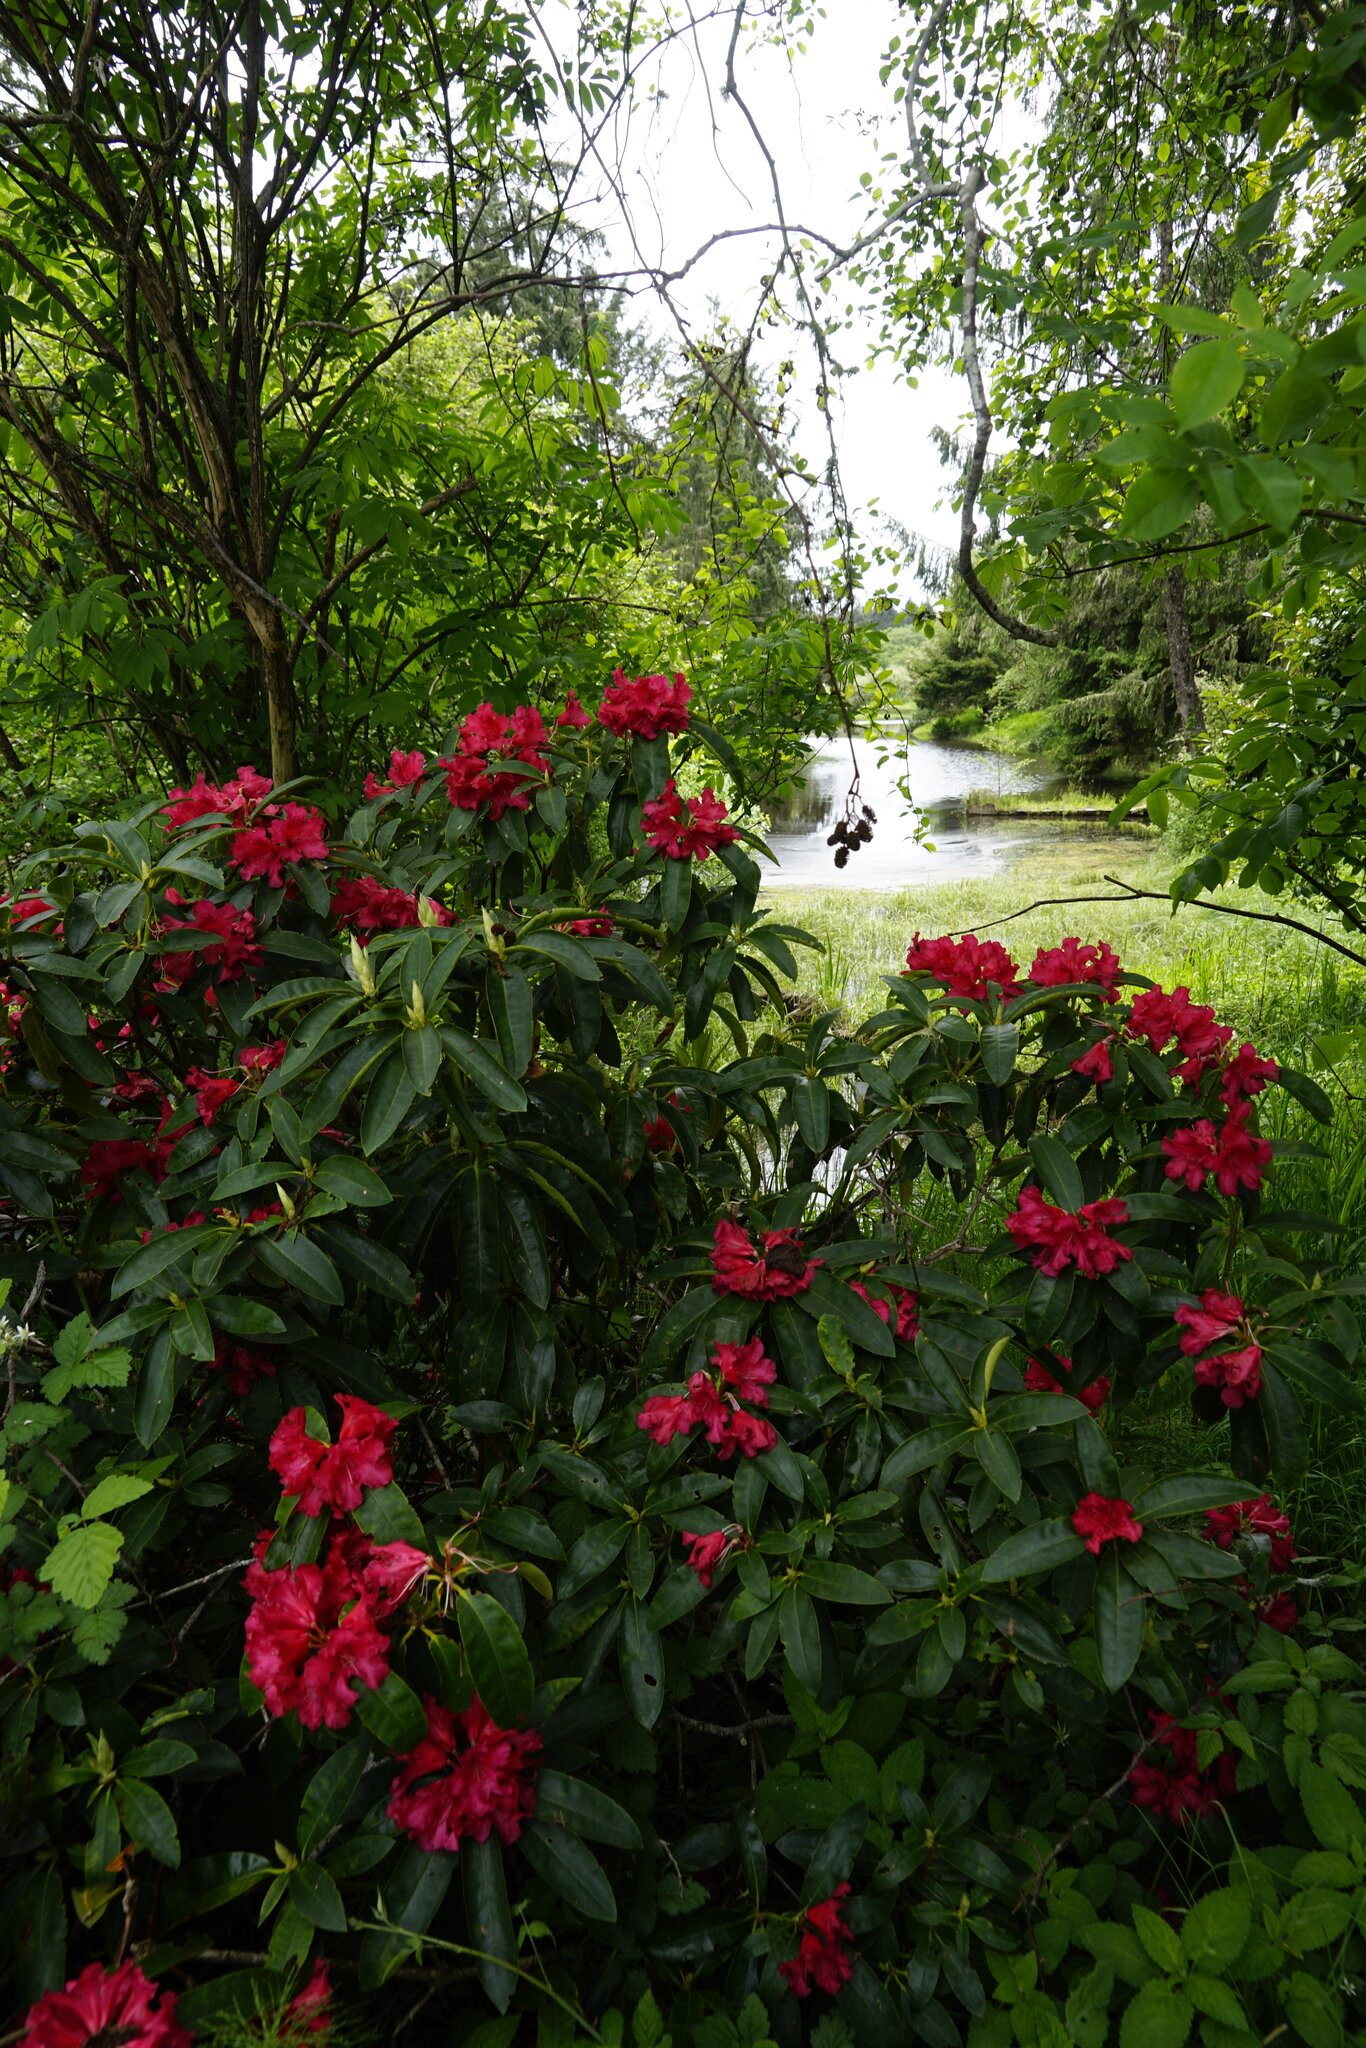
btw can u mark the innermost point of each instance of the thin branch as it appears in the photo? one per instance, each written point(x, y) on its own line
point(1130, 894)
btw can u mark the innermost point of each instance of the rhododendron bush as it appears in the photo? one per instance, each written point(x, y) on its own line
point(531, 1477)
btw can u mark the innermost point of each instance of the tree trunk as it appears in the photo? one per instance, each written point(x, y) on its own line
point(279, 705)
point(268, 631)
point(1189, 710)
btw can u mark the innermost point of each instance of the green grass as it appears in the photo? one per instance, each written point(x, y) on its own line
point(1061, 803)
point(1276, 987)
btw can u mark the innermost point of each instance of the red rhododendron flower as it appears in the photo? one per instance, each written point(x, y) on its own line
point(686, 828)
point(384, 1572)
point(1056, 1239)
point(334, 1475)
point(708, 1407)
point(1096, 1063)
point(110, 1158)
point(366, 905)
point(101, 2008)
point(29, 910)
point(210, 1091)
point(907, 1307)
point(822, 1961)
point(647, 706)
point(713, 1404)
point(404, 771)
point(1259, 1517)
point(1216, 1317)
point(1236, 1374)
point(243, 1366)
point(467, 1778)
point(1098, 1519)
point(296, 832)
point(262, 1059)
point(751, 1435)
point(311, 1640)
point(573, 714)
point(196, 1216)
point(660, 1135)
point(1151, 1017)
point(598, 926)
point(1280, 1613)
point(706, 1554)
point(136, 1086)
point(1247, 1073)
point(1159, 1018)
point(1168, 1779)
point(232, 799)
point(665, 1416)
point(487, 736)
point(310, 2010)
point(1242, 1158)
point(745, 1368)
point(1191, 1153)
point(1056, 966)
point(775, 1272)
point(1040, 1380)
point(229, 942)
point(967, 967)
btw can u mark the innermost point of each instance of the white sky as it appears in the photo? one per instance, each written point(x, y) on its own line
point(692, 168)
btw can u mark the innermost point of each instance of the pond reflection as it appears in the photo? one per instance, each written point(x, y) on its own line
point(940, 776)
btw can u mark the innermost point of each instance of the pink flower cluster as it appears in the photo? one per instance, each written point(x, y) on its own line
point(1168, 1779)
point(740, 1372)
point(969, 967)
point(243, 1366)
point(1099, 1519)
point(706, 1554)
point(333, 1475)
point(105, 2006)
point(229, 943)
point(235, 799)
point(1233, 1155)
point(1058, 1238)
point(1236, 1368)
point(776, 1271)
point(822, 1961)
point(905, 1303)
point(405, 770)
point(1040, 1380)
point(1072, 962)
point(467, 1779)
point(289, 834)
point(110, 1158)
point(686, 828)
point(313, 1634)
point(366, 905)
point(487, 737)
point(646, 706)
point(1159, 1019)
point(1259, 1517)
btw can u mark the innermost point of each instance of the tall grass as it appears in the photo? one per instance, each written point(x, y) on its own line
point(1278, 988)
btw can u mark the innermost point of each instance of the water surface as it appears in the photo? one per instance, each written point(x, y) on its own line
point(940, 775)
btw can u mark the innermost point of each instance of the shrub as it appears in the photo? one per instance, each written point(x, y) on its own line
point(561, 1528)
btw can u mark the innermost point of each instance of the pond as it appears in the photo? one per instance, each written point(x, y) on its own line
point(941, 776)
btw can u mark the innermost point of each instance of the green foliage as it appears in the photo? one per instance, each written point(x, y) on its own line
point(475, 1186)
point(342, 441)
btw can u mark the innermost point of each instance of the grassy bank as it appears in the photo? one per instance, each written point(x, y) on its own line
point(1276, 987)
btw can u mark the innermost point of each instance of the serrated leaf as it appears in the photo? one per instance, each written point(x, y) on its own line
point(81, 1565)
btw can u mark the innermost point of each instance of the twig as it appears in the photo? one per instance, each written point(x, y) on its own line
point(741, 1729)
